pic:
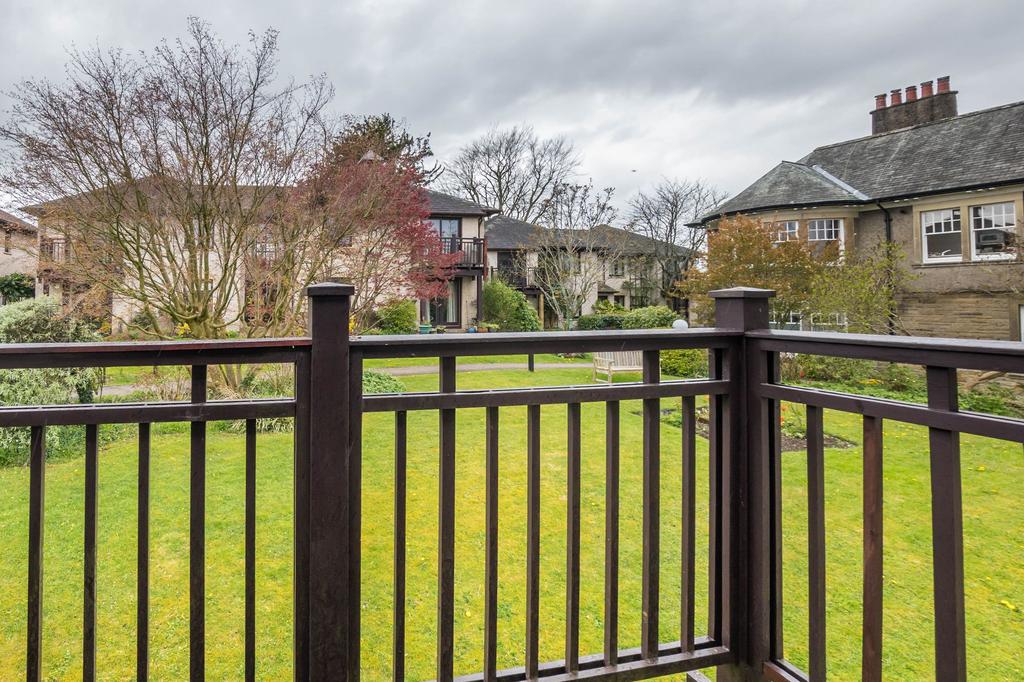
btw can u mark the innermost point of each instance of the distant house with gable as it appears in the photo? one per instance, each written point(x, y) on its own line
point(947, 187)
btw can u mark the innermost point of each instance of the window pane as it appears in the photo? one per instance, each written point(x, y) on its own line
point(943, 245)
point(824, 230)
point(787, 230)
point(994, 230)
point(454, 302)
point(995, 242)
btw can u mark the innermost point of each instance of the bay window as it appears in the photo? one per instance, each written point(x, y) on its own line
point(994, 231)
point(940, 235)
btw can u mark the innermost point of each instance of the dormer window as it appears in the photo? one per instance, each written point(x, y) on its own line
point(941, 232)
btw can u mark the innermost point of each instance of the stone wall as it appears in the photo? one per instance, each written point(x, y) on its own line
point(961, 315)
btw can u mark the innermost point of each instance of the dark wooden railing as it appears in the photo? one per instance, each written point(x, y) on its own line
point(744, 621)
point(521, 278)
point(471, 250)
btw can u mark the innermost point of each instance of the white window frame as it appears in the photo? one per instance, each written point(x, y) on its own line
point(953, 219)
point(787, 231)
point(974, 228)
point(831, 225)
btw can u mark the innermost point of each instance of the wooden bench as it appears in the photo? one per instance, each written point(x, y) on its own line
point(608, 363)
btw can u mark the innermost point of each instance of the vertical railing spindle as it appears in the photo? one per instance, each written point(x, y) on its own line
point(689, 523)
point(491, 559)
point(250, 550)
point(36, 487)
point(532, 540)
point(398, 619)
point(651, 509)
point(871, 651)
point(89, 562)
point(572, 559)
point(197, 534)
point(611, 533)
point(816, 542)
point(142, 560)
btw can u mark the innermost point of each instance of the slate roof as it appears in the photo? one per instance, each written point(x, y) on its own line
point(979, 149)
point(16, 222)
point(446, 204)
point(504, 233)
point(788, 184)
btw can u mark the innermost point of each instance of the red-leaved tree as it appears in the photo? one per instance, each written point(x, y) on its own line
point(364, 222)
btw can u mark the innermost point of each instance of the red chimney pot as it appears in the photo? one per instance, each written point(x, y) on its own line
point(911, 93)
point(926, 89)
point(897, 97)
point(944, 84)
point(880, 101)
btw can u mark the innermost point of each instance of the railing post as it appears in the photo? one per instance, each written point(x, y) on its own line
point(745, 495)
point(333, 503)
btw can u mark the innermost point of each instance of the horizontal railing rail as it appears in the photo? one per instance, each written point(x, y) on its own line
point(504, 343)
point(151, 353)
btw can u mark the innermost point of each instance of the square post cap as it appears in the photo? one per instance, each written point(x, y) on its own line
point(742, 292)
point(330, 289)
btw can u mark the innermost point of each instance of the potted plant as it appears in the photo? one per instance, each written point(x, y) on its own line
point(487, 327)
point(426, 327)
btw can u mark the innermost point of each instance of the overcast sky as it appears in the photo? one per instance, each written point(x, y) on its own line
point(716, 90)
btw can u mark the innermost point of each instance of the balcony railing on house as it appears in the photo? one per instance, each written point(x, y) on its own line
point(471, 249)
point(744, 620)
point(521, 278)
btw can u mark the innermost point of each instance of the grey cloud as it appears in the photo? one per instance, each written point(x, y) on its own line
point(721, 90)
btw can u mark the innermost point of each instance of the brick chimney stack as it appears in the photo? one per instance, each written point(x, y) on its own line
point(931, 106)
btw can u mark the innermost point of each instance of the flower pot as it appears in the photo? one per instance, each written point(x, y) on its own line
point(426, 328)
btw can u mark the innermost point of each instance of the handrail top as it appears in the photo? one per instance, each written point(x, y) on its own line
point(526, 337)
point(923, 343)
point(144, 347)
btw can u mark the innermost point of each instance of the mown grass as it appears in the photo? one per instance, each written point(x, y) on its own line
point(993, 529)
point(120, 376)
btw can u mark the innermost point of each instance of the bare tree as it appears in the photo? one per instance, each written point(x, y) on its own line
point(573, 245)
point(662, 215)
point(511, 170)
point(162, 170)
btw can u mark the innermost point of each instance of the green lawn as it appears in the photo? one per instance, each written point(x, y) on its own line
point(120, 376)
point(993, 528)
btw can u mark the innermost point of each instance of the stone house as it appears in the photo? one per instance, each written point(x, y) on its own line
point(947, 187)
point(627, 267)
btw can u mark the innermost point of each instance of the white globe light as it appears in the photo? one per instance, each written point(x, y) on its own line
point(680, 324)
